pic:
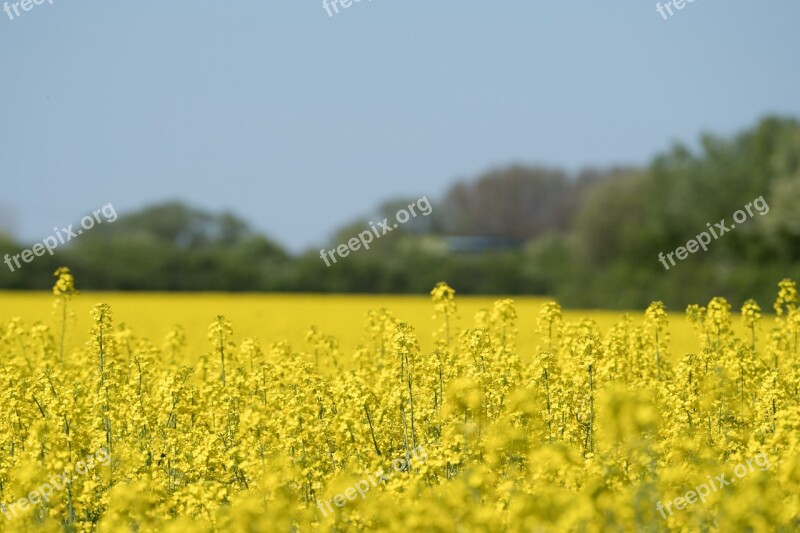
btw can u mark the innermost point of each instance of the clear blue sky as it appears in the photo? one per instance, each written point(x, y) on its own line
point(300, 122)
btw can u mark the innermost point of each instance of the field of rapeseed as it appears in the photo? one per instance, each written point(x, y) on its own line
point(570, 427)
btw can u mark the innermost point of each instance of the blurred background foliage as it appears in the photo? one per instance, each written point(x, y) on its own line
point(590, 239)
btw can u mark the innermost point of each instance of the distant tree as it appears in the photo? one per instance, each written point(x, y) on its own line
point(517, 202)
point(781, 227)
point(172, 246)
point(177, 224)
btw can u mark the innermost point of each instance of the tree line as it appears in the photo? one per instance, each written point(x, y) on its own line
point(588, 239)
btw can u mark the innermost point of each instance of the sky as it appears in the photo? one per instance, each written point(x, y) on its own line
point(299, 121)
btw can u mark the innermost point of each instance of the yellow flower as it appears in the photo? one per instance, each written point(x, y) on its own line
point(751, 313)
point(787, 296)
point(65, 285)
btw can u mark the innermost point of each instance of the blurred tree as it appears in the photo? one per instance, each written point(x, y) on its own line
point(176, 224)
point(518, 203)
point(781, 228)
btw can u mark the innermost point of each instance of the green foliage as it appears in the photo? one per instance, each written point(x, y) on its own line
point(626, 222)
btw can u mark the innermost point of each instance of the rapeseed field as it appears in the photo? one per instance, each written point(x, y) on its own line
point(313, 413)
